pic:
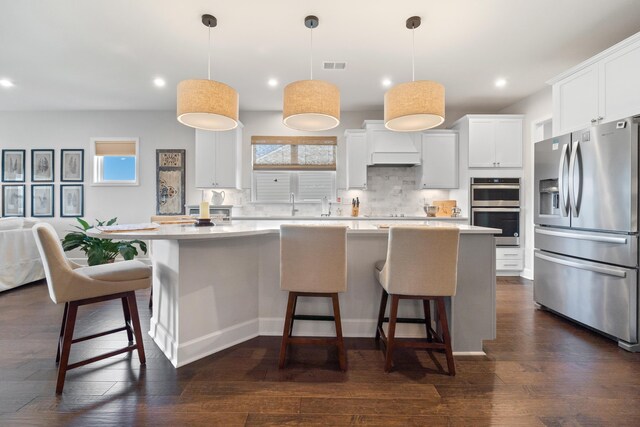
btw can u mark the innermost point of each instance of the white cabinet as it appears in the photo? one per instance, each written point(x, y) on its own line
point(357, 153)
point(599, 90)
point(218, 156)
point(439, 165)
point(509, 259)
point(494, 141)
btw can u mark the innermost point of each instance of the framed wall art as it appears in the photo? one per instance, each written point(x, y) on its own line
point(42, 165)
point(13, 200)
point(72, 165)
point(170, 196)
point(13, 165)
point(42, 200)
point(71, 200)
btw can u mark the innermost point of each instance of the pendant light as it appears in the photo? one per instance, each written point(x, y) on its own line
point(207, 104)
point(311, 105)
point(416, 105)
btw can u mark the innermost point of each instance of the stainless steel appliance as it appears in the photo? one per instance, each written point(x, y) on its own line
point(586, 232)
point(495, 202)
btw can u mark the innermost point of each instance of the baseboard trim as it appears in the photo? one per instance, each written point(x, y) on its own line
point(527, 273)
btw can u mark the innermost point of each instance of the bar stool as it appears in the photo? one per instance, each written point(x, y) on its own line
point(74, 285)
point(422, 264)
point(313, 263)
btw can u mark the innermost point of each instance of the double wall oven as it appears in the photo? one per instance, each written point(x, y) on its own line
point(495, 202)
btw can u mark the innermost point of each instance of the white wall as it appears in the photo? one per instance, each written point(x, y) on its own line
point(73, 129)
point(535, 108)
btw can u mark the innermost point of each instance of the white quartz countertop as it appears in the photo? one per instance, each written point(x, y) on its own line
point(240, 228)
point(347, 218)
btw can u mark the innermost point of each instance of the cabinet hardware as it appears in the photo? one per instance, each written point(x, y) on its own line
point(593, 120)
point(600, 117)
point(510, 265)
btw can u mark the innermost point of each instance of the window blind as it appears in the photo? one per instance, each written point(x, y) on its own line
point(115, 148)
point(294, 153)
point(272, 187)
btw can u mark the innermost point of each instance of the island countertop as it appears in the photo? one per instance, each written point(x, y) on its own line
point(240, 228)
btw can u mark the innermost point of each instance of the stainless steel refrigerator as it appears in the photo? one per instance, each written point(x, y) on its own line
point(586, 228)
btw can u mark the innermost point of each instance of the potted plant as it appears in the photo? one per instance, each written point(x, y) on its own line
point(100, 251)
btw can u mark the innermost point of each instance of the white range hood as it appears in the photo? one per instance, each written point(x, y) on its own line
point(391, 148)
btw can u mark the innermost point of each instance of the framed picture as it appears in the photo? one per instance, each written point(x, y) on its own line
point(71, 200)
point(170, 194)
point(42, 200)
point(72, 165)
point(13, 200)
point(42, 165)
point(13, 165)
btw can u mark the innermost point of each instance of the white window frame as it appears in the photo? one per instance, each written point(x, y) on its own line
point(294, 183)
point(97, 163)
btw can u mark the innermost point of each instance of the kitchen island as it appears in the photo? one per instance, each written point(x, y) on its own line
point(215, 287)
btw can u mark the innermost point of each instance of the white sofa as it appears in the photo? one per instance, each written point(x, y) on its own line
point(19, 258)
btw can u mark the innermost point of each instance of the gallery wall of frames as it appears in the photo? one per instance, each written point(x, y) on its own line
point(40, 185)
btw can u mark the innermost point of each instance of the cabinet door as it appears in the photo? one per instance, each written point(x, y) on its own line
point(482, 143)
point(575, 101)
point(205, 158)
point(439, 168)
point(225, 164)
point(619, 84)
point(508, 143)
point(356, 161)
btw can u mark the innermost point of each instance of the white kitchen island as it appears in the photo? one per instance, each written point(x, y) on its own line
point(214, 287)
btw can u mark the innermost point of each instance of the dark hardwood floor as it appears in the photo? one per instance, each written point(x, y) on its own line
point(541, 370)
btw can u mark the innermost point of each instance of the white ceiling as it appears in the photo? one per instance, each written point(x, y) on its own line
point(103, 54)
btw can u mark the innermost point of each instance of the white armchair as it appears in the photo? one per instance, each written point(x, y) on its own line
point(19, 258)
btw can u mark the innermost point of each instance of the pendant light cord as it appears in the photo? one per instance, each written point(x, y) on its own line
point(311, 55)
point(209, 53)
point(413, 52)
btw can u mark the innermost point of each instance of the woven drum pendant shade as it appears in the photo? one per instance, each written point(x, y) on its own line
point(311, 105)
point(207, 105)
point(414, 106)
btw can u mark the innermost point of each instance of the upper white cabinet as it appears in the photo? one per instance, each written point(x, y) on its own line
point(439, 166)
point(218, 158)
point(601, 89)
point(493, 141)
point(357, 153)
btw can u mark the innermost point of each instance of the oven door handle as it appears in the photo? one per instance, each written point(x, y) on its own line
point(495, 210)
point(495, 186)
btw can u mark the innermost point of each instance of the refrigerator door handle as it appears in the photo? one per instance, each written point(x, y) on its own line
point(572, 191)
point(564, 202)
point(599, 239)
point(602, 270)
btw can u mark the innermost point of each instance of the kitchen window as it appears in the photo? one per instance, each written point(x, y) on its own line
point(304, 166)
point(115, 161)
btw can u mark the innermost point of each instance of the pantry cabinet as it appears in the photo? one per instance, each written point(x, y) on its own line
point(602, 89)
point(439, 164)
point(218, 158)
point(357, 154)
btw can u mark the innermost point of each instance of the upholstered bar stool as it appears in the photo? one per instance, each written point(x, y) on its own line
point(313, 263)
point(74, 285)
point(421, 264)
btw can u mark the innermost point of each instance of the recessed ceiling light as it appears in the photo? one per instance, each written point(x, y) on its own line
point(272, 82)
point(386, 82)
point(501, 83)
point(159, 82)
point(6, 83)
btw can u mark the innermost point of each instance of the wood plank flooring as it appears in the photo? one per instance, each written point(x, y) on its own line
point(541, 370)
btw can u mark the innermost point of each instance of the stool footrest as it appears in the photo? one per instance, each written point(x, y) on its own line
point(103, 356)
point(313, 340)
point(406, 320)
point(313, 317)
point(100, 334)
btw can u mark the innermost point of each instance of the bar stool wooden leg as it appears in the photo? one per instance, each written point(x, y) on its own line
point(426, 305)
point(442, 315)
point(133, 309)
point(288, 325)
point(342, 358)
point(67, 337)
point(393, 316)
point(64, 321)
point(383, 307)
point(127, 318)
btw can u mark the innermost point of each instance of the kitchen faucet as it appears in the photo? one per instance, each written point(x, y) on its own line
point(292, 199)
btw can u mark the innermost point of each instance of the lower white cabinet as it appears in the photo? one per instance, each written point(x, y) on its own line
point(357, 153)
point(439, 165)
point(218, 158)
point(509, 259)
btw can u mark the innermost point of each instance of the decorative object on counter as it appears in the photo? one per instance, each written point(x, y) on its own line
point(416, 105)
point(204, 210)
point(72, 165)
point(13, 200)
point(355, 207)
point(204, 222)
point(444, 207)
point(42, 200)
point(71, 200)
point(217, 198)
point(207, 104)
point(170, 182)
point(311, 105)
point(42, 165)
point(430, 210)
point(13, 165)
point(100, 251)
point(455, 212)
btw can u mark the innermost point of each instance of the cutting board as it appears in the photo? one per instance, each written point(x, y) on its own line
point(444, 207)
